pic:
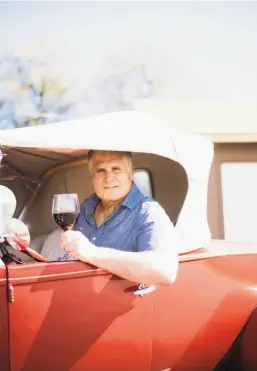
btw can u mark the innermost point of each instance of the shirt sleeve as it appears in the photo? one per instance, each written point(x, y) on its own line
point(156, 231)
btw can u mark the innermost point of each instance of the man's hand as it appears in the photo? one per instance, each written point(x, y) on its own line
point(77, 245)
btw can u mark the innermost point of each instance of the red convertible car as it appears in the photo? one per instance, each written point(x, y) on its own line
point(68, 315)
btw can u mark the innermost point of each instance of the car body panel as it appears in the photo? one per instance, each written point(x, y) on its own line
point(203, 313)
point(70, 316)
point(4, 320)
point(64, 306)
point(245, 354)
point(242, 353)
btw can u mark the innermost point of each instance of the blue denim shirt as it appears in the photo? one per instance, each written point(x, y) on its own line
point(139, 223)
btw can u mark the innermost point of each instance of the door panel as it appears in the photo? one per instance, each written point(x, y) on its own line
point(4, 339)
point(70, 316)
point(197, 318)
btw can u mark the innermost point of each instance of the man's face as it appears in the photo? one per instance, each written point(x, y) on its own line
point(111, 175)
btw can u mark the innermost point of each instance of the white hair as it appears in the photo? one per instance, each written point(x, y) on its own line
point(126, 155)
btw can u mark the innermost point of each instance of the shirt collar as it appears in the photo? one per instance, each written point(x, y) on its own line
point(94, 199)
point(133, 198)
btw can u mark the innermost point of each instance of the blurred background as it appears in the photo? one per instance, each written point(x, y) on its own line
point(194, 63)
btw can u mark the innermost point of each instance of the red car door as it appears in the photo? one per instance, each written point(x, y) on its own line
point(197, 319)
point(70, 316)
point(4, 339)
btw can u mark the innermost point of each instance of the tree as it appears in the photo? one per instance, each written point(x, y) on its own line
point(30, 95)
point(118, 91)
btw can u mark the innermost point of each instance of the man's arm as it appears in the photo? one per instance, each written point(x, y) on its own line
point(148, 267)
point(155, 263)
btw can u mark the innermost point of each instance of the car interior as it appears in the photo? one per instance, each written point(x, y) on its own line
point(164, 179)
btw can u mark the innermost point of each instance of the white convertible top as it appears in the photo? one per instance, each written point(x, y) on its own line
point(124, 131)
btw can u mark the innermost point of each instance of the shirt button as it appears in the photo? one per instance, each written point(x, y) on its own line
point(94, 238)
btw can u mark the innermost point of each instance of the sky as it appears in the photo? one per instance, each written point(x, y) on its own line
point(193, 50)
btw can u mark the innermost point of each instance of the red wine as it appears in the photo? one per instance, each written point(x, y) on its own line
point(65, 220)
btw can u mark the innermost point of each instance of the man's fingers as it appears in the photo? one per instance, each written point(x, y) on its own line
point(68, 248)
point(66, 244)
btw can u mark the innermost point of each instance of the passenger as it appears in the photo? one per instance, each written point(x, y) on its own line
point(119, 229)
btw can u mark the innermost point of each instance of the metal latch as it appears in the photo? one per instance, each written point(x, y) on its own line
point(10, 293)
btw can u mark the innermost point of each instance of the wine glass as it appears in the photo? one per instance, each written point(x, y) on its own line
point(65, 210)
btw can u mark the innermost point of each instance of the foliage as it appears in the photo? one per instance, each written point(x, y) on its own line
point(32, 94)
point(29, 94)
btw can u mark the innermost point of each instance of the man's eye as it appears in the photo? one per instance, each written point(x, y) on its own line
point(100, 170)
point(116, 169)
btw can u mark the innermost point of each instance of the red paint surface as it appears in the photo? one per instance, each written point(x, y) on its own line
point(70, 316)
point(4, 339)
point(198, 318)
point(89, 322)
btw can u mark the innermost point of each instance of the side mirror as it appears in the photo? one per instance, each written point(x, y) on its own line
point(20, 231)
point(18, 236)
point(7, 207)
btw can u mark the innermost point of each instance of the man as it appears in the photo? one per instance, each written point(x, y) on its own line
point(119, 229)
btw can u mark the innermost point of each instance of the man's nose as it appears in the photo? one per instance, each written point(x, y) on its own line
point(108, 176)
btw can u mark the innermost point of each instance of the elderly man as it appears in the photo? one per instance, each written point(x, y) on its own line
point(119, 229)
